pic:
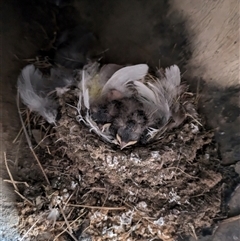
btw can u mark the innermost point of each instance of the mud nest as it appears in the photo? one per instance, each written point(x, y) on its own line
point(94, 191)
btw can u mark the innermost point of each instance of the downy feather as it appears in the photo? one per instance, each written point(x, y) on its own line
point(36, 99)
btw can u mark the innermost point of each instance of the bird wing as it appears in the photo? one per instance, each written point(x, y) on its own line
point(122, 77)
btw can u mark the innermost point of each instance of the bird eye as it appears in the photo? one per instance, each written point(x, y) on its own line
point(118, 138)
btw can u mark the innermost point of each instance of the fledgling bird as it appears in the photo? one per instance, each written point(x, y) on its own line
point(36, 90)
point(129, 108)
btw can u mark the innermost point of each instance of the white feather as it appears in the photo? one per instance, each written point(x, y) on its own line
point(171, 84)
point(36, 100)
point(85, 93)
point(122, 77)
point(173, 75)
point(107, 71)
point(145, 92)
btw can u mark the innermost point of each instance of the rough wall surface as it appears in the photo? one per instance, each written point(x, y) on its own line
point(214, 33)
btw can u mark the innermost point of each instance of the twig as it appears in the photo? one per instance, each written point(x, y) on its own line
point(44, 138)
point(193, 230)
point(16, 182)
point(57, 236)
point(71, 235)
point(65, 218)
point(27, 121)
point(19, 133)
point(29, 230)
point(24, 198)
point(181, 171)
point(9, 173)
point(194, 119)
point(69, 198)
point(49, 152)
point(69, 229)
point(229, 220)
point(96, 207)
point(17, 152)
point(29, 141)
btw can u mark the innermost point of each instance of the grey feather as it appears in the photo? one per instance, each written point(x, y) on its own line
point(34, 90)
point(122, 77)
point(166, 89)
point(171, 83)
point(145, 92)
point(173, 75)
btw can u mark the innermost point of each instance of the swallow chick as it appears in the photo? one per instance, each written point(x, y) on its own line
point(129, 108)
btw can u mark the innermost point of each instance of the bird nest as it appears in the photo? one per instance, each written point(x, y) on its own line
point(86, 189)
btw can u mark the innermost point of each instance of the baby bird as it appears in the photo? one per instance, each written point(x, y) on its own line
point(129, 108)
point(126, 120)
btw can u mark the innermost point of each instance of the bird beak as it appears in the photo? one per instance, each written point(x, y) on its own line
point(105, 127)
point(124, 144)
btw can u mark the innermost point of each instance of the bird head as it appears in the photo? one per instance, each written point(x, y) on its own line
point(129, 134)
point(124, 142)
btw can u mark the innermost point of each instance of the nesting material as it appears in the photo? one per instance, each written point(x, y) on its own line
point(96, 191)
